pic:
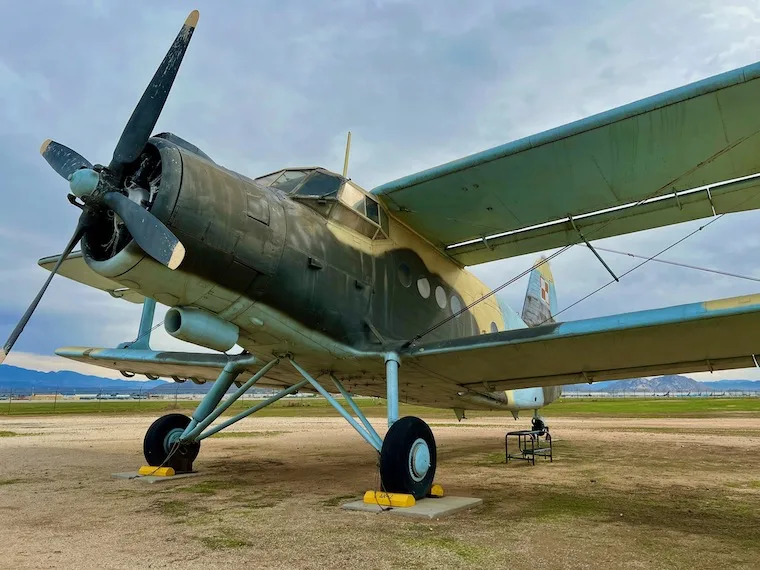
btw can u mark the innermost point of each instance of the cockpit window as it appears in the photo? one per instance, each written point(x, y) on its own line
point(289, 180)
point(352, 197)
point(268, 179)
point(320, 185)
point(332, 196)
point(373, 210)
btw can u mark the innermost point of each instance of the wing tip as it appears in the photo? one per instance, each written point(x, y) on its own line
point(44, 146)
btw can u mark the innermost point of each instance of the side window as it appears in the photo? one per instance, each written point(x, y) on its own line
point(405, 275)
point(384, 222)
point(373, 210)
point(423, 286)
point(354, 198)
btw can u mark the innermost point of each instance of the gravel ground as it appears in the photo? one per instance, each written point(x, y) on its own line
point(625, 493)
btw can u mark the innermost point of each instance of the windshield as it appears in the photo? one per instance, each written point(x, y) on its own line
point(320, 185)
point(289, 180)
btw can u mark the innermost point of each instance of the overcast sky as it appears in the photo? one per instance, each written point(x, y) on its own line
point(271, 84)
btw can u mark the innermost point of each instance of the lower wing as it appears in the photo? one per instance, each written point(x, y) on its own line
point(715, 335)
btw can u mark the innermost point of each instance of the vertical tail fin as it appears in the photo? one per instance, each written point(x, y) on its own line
point(541, 298)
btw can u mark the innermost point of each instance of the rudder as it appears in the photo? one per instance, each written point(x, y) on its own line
point(540, 303)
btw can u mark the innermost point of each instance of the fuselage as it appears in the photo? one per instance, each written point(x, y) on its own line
point(315, 264)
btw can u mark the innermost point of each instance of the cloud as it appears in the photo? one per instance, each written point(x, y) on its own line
point(270, 84)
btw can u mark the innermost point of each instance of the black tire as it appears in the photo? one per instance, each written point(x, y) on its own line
point(395, 472)
point(157, 445)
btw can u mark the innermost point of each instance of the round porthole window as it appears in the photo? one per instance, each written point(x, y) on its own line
point(494, 328)
point(404, 275)
point(456, 304)
point(440, 297)
point(423, 286)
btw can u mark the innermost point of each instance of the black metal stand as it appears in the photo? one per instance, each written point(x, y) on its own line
point(529, 445)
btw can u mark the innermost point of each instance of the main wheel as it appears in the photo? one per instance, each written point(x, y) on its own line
point(408, 458)
point(161, 438)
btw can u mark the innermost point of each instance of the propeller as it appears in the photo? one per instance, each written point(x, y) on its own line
point(63, 160)
point(103, 189)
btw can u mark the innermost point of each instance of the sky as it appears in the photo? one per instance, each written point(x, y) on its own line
point(266, 85)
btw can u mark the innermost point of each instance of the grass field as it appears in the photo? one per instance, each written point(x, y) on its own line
point(317, 407)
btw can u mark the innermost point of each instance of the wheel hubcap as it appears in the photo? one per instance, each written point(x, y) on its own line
point(419, 459)
point(171, 438)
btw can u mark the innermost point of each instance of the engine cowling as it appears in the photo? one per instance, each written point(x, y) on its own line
point(233, 231)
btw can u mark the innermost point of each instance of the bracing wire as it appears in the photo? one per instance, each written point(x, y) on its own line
point(562, 250)
point(677, 264)
point(634, 268)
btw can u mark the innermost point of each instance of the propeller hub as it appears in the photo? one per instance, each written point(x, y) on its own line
point(84, 182)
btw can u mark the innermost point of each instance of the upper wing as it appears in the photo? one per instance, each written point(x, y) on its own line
point(669, 144)
point(74, 267)
point(715, 335)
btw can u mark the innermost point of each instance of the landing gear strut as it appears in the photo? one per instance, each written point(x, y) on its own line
point(407, 454)
point(539, 424)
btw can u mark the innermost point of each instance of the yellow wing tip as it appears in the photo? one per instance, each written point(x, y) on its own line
point(3, 354)
point(177, 256)
point(192, 19)
point(44, 146)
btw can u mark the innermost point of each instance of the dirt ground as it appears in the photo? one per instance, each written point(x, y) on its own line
point(622, 493)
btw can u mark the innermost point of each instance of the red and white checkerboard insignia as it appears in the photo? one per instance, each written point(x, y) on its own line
point(544, 291)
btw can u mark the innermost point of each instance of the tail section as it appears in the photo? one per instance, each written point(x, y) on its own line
point(540, 303)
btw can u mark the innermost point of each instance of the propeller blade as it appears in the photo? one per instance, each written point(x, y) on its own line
point(63, 160)
point(145, 116)
point(82, 225)
point(148, 231)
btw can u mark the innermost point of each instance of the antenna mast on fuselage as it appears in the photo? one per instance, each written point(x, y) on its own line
point(348, 150)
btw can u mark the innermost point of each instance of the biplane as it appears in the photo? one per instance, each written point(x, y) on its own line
point(331, 288)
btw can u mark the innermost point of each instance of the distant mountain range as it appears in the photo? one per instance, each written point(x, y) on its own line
point(663, 384)
point(23, 381)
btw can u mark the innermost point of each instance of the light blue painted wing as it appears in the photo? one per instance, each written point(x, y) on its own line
point(684, 139)
point(715, 335)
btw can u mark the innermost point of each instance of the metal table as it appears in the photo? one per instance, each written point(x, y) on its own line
point(529, 445)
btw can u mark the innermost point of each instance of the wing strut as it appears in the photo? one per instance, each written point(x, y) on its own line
point(596, 253)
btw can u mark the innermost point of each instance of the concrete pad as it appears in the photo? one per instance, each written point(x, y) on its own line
point(133, 475)
point(430, 508)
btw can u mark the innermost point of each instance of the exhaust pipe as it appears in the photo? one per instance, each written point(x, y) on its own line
point(201, 328)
